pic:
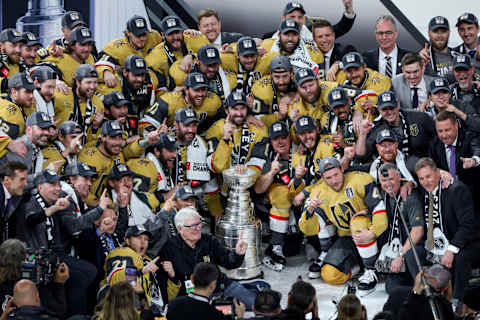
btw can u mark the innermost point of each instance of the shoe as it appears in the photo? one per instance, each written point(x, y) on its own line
point(274, 258)
point(314, 271)
point(368, 281)
point(277, 254)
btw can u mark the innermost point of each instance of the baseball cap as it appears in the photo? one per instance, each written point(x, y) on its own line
point(80, 169)
point(46, 176)
point(137, 25)
point(43, 73)
point(304, 74)
point(119, 170)
point(170, 24)
point(40, 119)
point(439, 84)
point(438, 22)
point(137, 230)
point(30, 39)
point(267, 301)
point(385, 135)
point(337, 97)
point(304, 123)
point(280, 62)
point(292, 6)
point(462, 61)
point(468, 18)
point(115, 98)
point(278, 129)
point(135, 65)
point(208, 54)
point(387, 99)
point(352, 59)
point(81, 35)
point(289, 25)
point(69, 127)
point(196, 80)
point(186, 115)
point(85, 71)
point(21, 80)
point(11, 35)
point(111, 128)
point(167, 141)
point(71, 19)
point(246, 45)
point(328, 163)
point(185, 192)
point(236, 97)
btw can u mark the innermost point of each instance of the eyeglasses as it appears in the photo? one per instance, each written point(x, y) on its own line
point(385, 33)
point(194, 226)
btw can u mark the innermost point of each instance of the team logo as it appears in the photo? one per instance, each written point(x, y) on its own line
point(237, 96)
point(199, 78)
point(439, 82)
point(171, 23)
point(85, 166)
point(350, 58)
point(122, 168)
point(349, 192)
point(90, 152)
point(247, 43)
point(31, 36)
point(461, 58)
point(439, 20)
point(336, 95)
point(170, 138)
point(303, 121)
point(11, 108)
point(140, 63)
point(140, 23)
point(385, 133)
point(350, 92)
point(85, 33)
point(211, 53)
point(189, 113)
point(50, 173)
point(277, 127)
point(115, 125)
point(463, 17)
point(206, 259)
point(16, 33)
point(302, 73)
point(386, 97)
point(29, 80)
point(45, 117)
point(290, 23)
point(296, 5)
point(74, 16)
point(414, 130)
point(120, 96)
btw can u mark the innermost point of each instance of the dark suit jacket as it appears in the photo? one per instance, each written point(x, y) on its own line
point(229, 37)
point(339, 50)
point(15, 221)
point(371, 58)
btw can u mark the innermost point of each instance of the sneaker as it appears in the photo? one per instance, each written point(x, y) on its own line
point(314, 271)
point(367, 281)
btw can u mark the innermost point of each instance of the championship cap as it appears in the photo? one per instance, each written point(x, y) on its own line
point(85, 71)
point(304, 123)
point(352, 59)
point(278, 129)
point(40, 119)
point(267, 301)
point(43, 73)
point(289, 25)
point(439, 84)
point(135, 65)
point(81, 35)
point(236, 97)
point(468, 18)
point(208, 54)
point(115, 98)
point(328, 163)
point(46, 176)
point(111, 128)
point(170, 24)
point(185, 192)
point(387, 99)
point(196, 80)
point(280, 62)
point(137, 230)
point(30, 39)
point(292, 6)
point(304, 74)
point(186, 115)
point(167, 141)
point(438, 22)
point(69, 127)
point(21, 80)
point(246, 45)
point(462, 61)
point(71, 19)
point(385, 135)
point(337, 97)
point(137, 25)
point(119, 170)
point(80, 169)
point(11, 35)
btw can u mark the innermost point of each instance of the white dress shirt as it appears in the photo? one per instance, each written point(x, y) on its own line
point(382, 62)
point(422, 92)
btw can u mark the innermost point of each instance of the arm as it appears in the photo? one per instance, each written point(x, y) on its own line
point(223, 256)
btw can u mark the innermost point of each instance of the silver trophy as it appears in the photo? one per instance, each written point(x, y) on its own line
point(239, 218)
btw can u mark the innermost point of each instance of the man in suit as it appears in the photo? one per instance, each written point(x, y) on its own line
point(13, 177)
point(210, 25)
point(467, 27)
point(411, 87)
point(387, 58)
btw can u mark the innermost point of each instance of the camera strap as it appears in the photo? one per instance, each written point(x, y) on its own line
point(198, 298)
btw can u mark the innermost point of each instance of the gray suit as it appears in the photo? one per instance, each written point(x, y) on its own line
point(28, 160)
point(402, 90)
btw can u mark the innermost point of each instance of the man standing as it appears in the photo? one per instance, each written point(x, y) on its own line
point(467, 27)
point(10, 54)
point(210, 25)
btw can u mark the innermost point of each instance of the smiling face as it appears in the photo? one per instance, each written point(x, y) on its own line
point(308, 138)
point(175, 39)
point(248, 61)
point(309, 91)
point(447, 131)
point(289, 41)
point(413, 73)
point(281, 80)
point(390, 114)
point(429, 178)
point(281, 145)
point(196, 97)
point(324, 37)
point(210, 27)
point(12, 50)
point(191, 231)
point(386, 35)
point(356, 75)
point(238, 114)
point(439, 38)
point(464, 77)
point(469, 34)
point(334, 178)
point(87, 87)
point(391, 183)
point(387, 150)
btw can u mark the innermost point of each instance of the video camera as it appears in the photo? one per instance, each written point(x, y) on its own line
point(225, 305)
point(40, 266)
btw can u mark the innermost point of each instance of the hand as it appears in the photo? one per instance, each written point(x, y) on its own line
point(301, 149)
point(451, 108)
point(254, 121)
point(424, 105)
point(241, 246)
point(9, 308)
point(406, 190)
point(123, 198)
point(424, 53)
point(314, 203)
point(300, 171)
point(338, 138)
point(226, 48)
point(228, 128)
point(61, 86)
point(151, 266)
point(240, 168)
point(105, 225)
point(131, 139)
point(104, 200)
point(97, 120)
point(239, 308)
point(396, 265)
point(332, 72)
point(447, 179)
point(250, 100)
point(163, 127)
point(283, 107)
point(349, 153)
point(18, 147)
point(53, 166)
point(55, 50)
point(363, 236)
point(294, 114)
point(168, 267)
point(186, 63)
point(170, 203)
point(365, 126)
point(109, 79)
point(276, 165)
point(418, 285)
point(298, 200)
point(192, 32)
point(62, 274)
point(154, 136)
point(468, 162)
point(348, 6)
point(447, 259)
point(63, 203)
point(261, 51)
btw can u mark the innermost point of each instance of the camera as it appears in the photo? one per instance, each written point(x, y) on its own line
point(225, 305)
point(40, 266)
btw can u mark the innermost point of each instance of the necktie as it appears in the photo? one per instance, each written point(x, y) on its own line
point(415, 98)
point(5, 220)
point(430, 222)
point(34, 159)
point(388, 67)
point(452, 161)
point(471, 53)
point(327, 64)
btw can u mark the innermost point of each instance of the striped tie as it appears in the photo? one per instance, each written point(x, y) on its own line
point(388, 67)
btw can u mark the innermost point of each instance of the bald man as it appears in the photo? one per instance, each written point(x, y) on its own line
point(27, 301)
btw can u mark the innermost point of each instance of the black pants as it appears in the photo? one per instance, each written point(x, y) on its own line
point(407, 278)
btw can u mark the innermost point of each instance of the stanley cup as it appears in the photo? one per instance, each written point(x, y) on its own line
point(239, 219)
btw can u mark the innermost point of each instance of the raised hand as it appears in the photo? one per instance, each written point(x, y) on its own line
point(109, 79)
point(104, 200)
point(276, 165)
point(151, 266)
point(228, 128)
point(300, 171)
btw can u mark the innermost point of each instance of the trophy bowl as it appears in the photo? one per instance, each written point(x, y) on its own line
point(243, 180)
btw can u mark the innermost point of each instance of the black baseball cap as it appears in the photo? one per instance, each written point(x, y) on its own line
point(167, 141)
point(137, 230)
point(208, 54)
point(352, 59)
point(170, 24)
point(468, 18)
point(69, 127)
point(115, 98)
point(304, 74)
point(236, 97)
point(46, 176)
point(438, 22)
point(43, 73)
point(119, 171)
point(304, 123)
point(337, 97)
point(135, 64)
point(328, 163)
point(81, 35)
point(111, 128)
point(71, 19)
point(196, 80)
point(11, 35)
point(439, 84)
point(267, 301)
point(289, 25)
point(80, 169)
point(30, 39)
point(462, 61)
point(385, 135)
point(186, 115)
point(21, 80)
point(278, 129)
point(292, 6)
point(185, 192)
point(40, 119)
point(137, 25)
point(387, 99)
point(246, 45)
point(85, 71)
point(280, 62)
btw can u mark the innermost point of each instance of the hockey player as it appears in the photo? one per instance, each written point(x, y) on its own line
point(45, 79)
point(10, 53)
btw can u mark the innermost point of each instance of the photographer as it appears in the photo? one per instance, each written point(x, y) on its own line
point(52, 294)
point(196, 305)
point(350, 308)
point(267, 304)
point(302, 300)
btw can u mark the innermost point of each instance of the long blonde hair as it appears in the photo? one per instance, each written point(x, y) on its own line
point(118, 304)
